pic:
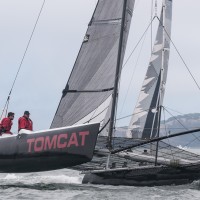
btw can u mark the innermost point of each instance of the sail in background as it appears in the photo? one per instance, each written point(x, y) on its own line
point(145, 119)
point(88, 93)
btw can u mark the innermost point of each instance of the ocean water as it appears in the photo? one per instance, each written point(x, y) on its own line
point(66, 184)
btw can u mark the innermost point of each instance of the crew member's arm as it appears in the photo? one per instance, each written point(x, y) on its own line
point(6, 125)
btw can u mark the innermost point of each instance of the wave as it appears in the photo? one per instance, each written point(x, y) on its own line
point(41, 181)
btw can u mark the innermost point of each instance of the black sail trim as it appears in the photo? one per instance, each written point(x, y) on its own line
point(107, 21)
point(100, 90)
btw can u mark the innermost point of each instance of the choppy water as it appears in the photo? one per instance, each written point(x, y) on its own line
point(66, 184)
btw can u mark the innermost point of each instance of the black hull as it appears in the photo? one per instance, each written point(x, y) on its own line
point(48, 150)
point(149, 176)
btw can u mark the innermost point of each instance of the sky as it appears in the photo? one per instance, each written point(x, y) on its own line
point(55, 45)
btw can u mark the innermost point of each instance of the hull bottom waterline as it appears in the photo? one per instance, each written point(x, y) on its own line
point(38, 164)
point(157, 176)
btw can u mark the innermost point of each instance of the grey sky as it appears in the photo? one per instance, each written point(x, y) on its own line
point(56, 43)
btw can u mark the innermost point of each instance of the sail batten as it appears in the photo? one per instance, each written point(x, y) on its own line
point(108, 21)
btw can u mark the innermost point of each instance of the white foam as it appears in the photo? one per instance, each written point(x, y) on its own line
point(10, 177)
point(46, 179)
point(60, 179)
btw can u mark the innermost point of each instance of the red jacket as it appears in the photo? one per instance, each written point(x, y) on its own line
point(6, 124)
point(25, 123)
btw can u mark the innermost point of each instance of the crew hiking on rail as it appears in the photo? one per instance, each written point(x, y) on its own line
point(6, 124)
point(25, 122)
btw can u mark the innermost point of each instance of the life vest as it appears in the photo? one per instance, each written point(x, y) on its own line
point(6, 125)
point(1, 128)
point(25, 123)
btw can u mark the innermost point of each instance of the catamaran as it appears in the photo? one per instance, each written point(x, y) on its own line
point(88, 108)
point(144, 156)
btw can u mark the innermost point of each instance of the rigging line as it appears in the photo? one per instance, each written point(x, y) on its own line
point(173, 110)
point(28, 44)
point(180, 56)
point(133, 73)
point(166, 131)
point(137, 43)
point(156, 8)
point(175, 151)
point(117, 77)
point(151, 25)
point(5, 109)
point(133, 114)
point(182, 125)
point(176, 119)
point(185, 65)
point(25, 51)
point(137, 4)
point(93, 115)
point(182, 150)
point(104, 126)
point(155, 140)
point(144, 34)
point(195, 137)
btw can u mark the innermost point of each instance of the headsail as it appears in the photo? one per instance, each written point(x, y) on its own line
point(87, 95)
point(144, 123)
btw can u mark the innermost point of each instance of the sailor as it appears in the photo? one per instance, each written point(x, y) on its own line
point(125, 164)
point(145, 152)
point(7, 123)
point(25, 122)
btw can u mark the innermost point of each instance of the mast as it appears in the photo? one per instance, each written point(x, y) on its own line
point(158, 135)
point(117, 75)
point(161, 82)
point(162, 78)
